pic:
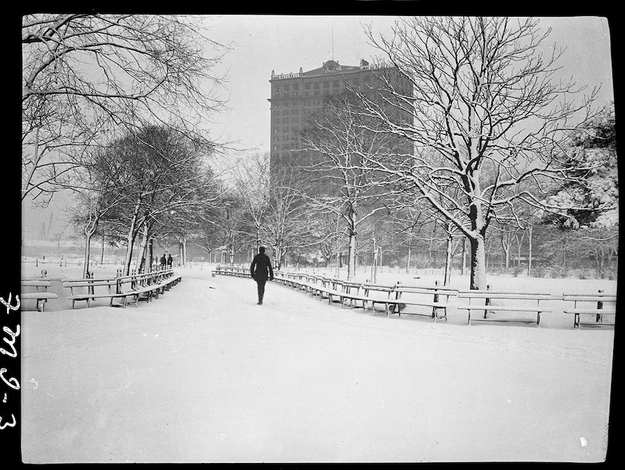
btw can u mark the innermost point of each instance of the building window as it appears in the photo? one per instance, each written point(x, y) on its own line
point(316, 85)
point(295, 86)
point(307, 86)
point(326, 84)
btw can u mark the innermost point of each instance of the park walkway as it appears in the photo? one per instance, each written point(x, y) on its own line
point(203, 374)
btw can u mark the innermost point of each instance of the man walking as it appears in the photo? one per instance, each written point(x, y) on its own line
point(261, 270)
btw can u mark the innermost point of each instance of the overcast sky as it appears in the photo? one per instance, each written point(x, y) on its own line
point(261, 44)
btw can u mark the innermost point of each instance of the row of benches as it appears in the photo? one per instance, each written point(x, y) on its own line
point(435, 301)
point(127, 289)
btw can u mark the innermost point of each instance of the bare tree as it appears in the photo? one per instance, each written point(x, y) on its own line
point(251, 179)
point(87, 77)
point(290, 222)
point(342, 143)
point(486, 103)
point(153, 175)
point(98, 192)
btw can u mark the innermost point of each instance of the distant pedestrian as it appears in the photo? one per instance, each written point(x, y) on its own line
point(163, 261)
point(261, 270)
point(170, 261)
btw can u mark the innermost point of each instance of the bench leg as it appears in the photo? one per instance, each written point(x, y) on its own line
point(436, 317)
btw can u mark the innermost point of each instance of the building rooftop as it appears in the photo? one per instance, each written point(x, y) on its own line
point(328, 67)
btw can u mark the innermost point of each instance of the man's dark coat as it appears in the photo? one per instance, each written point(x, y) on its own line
point(261, 268)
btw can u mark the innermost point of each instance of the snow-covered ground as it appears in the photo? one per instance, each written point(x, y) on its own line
point(203, 374)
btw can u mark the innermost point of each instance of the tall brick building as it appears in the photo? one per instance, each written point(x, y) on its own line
point(296, 96)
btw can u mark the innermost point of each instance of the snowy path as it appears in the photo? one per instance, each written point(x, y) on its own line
point(205, 375)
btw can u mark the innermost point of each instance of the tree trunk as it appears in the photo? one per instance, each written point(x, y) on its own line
point(144, 249)
point(90, 229)
point(182, 252)
point(102, 251)
point(431, 246)
point(150, 253)
point(85, 269)
point(408, 259)
point(231, 249)
point(351, 264)
point(505, 246)
point(529, 251)
point(130, 240)
point(464, 256)
point(478, 262)
point(448, 257)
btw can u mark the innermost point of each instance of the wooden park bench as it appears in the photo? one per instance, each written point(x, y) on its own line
point(591, 306)
point(87, 290)
point(335, 290)
point(284, 278)
point(307, 282)
point(40, 294)
point(435, 300)
point(147, 285)
point(352, 291)
point(359, 295)
point(295, 280)
point(161, 280)
point(374, 294)
point(513, 302)
point(127, 289)
point(236, 271)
